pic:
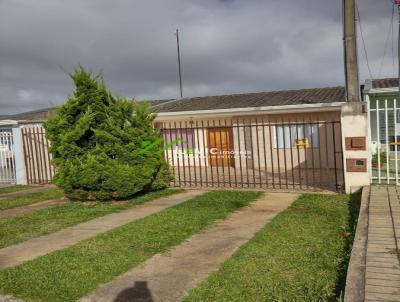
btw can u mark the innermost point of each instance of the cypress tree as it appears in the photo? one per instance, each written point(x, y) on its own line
point(97, 144)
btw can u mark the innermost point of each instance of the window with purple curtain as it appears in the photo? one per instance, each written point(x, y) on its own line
point(184, 137)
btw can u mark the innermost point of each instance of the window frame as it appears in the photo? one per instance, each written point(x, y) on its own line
point(313, 127)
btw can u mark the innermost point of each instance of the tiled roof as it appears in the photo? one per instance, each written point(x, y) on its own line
point(385, 83)
point(43, 114)
point(260, 99)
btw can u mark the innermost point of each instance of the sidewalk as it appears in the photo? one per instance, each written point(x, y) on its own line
point(168, 277)
point(382, 277)
point(374, 269)
point(28, 250)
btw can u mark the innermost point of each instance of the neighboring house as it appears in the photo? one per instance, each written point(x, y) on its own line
point(282, 139)
point(382, 96)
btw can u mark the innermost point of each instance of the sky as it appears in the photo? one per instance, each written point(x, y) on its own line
point(227, 46)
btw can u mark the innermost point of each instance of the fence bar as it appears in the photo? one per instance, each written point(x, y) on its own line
point(334, 154)
point(265, 155)
point(240, 156)
point(387, 144)
point(305, 153)
point(319, 155)
point(312, 152)
point(370, 167)
point(272, 152)
point(284, 153)
point(229, 141)
point(395, 141)
point(298, 153)
point(379, 141)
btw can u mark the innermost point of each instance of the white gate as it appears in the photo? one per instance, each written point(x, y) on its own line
point(7, 158)
point(384, 140)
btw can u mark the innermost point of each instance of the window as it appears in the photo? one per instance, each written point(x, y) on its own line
point(296, 136)
point(179, 137)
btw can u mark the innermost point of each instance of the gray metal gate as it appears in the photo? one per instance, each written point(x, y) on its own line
point(286, 154)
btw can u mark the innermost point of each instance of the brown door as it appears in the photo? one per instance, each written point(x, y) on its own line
point(220, 146)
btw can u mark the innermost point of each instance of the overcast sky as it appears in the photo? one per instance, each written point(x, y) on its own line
point(227, 46)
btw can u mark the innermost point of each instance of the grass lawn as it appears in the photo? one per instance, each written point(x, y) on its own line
point(30, 198)
point(16, 188)
point(23, 227)
point(69, 274)
point(301, 255)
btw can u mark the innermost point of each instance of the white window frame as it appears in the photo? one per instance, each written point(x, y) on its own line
point(292, 145)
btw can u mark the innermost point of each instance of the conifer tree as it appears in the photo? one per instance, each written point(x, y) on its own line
point(97, 144)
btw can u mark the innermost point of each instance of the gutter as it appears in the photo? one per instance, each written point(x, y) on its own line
point(253, 110)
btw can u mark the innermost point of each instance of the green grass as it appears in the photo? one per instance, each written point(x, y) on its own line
point(301, 255)
point(16, 188)
point(69, 274)
point(23, 227)
point(30, 198)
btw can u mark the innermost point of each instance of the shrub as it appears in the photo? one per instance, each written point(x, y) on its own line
point(96, 142)
point(383, 158)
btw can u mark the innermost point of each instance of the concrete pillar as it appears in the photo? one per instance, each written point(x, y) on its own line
point(20, 168)
point(355, 124)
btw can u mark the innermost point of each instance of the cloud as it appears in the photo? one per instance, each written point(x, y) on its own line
point(227, 46)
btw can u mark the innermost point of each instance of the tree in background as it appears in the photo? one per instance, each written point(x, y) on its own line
point(97, 144)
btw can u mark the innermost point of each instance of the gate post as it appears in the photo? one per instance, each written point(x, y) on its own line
point(20, 169)
point(354, 121)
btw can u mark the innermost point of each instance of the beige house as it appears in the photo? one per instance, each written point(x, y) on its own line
point(283, 139)
point(271, 140)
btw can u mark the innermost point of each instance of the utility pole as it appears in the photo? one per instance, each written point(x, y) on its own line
point(350, 51)
point(397, 2)
point(179, 63)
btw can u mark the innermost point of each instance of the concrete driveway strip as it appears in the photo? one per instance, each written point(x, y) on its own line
point(168, 277)
point(26, 192)
point(28, 250)
point(32, 207)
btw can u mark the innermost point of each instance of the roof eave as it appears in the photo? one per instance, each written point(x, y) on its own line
point(318, 107)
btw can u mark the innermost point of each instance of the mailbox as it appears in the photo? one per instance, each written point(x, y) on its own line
point(302, 143)
point(355, 143)
point(356, 165)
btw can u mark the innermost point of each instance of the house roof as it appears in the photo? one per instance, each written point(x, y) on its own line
point(385, 83)
point(260, 99)
point(35, 115)
point(232, 101)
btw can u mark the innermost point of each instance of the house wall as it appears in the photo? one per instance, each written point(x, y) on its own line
point(256, 136)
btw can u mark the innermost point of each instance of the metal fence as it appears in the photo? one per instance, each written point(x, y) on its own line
point(37, 156)
point(255, 153)
point(384, 140)
point(7, 158)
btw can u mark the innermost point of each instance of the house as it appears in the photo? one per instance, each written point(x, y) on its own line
point(382, 96)
point(278, 140)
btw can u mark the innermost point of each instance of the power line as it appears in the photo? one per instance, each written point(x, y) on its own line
point(363, 41)
point(390, 33)
point(393, 64)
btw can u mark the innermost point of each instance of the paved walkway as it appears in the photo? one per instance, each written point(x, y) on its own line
point(32, 207)
point(382, 276)
point(169, 276)
point(28, 250)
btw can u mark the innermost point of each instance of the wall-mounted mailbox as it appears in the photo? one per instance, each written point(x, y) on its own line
point(355, 143)
point(356, 165)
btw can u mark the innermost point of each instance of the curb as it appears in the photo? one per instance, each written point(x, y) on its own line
point(355, 280)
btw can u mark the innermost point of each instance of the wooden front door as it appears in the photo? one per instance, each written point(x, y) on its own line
point(220, 146)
